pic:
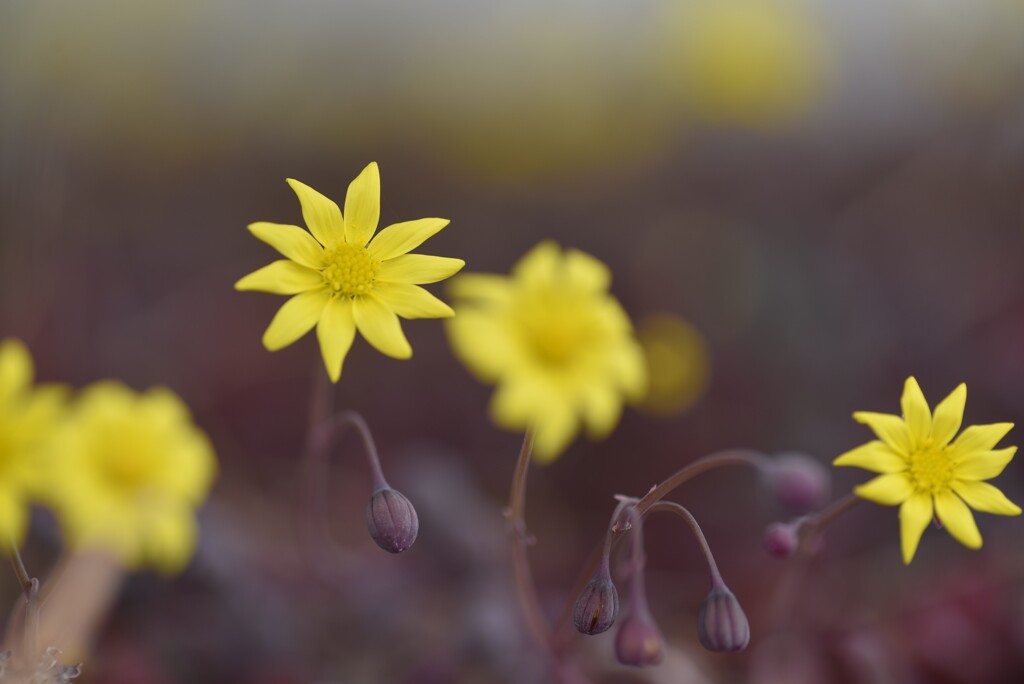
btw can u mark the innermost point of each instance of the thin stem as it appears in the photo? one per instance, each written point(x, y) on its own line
point(30, 586)
point(673, 507)
point(536, 623)
point(719, 459)
point(345, 418)
point(814, 524)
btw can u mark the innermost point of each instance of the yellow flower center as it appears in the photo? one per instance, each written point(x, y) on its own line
point(350, 270)
point(931, 469)
point(557, 328)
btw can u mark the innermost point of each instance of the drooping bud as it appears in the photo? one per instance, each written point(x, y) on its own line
point(780, 539)
point(799, 482)
point(722, 625)
point(597, 605)
point(391, 520)
point(638, 641)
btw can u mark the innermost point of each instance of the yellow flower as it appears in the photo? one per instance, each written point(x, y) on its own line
point(27, 417)
point(343, 281)
point(678, 363)
point(928, 473)
point(129, 470)
point(557, 344)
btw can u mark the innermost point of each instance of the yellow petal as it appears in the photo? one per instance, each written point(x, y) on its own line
point(890, 429)
point(481, 286)
point(875, 456)
point(16, 369)
point(555, 428)
point(418, 269)
point(517, 402)
point(983, 497)
point(629, 369)
point(538, 265)
point(380, 326)
point(291, 241)
point(400, 238)
point(586, 272)
point(296, 318)
point(956, 517)
point(170, 539)
point(601, 409)
point(979, 438)
point(983, 465)
point(322, 215)
point(281, 277)
point(915, 514)
point(482, 344)
point(411, 301)
point(915, 411)
point(949, 414)
point(13, 518)
point(362, 206)
point(335, 331)
point(889, 489)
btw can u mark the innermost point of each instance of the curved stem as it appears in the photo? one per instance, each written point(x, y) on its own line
point(673, 507)
point(719, 459)
point(536, 623)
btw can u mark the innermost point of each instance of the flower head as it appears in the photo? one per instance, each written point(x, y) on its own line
point(342, 280)
point(130, 470)
point(27, 417)
point(927, 472)
point(557, 344)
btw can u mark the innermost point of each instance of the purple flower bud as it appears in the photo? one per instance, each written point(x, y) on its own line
point(780, 539)
point(722, 625)
point(799, 482)
point(638, 641)
point(597, 606)
point(391, 520)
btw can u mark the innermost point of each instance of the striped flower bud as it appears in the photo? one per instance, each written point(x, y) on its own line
point(391, 520)
point(597, 605)
point(722, 625)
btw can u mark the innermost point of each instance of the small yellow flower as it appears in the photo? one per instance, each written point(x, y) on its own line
point(343, 281)
point(27, 417)
point(129, 471)
point(927, 473)
point(557, 344)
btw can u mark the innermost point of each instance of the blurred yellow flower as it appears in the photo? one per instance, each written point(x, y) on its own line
point(927, 473)
point(557, 344)
point(129, 471)
point(747, 62)
point(678, 363)
point(343, 281)
point(27, 417)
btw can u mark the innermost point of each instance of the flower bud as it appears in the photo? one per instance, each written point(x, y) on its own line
point(780, 539)
point(597, 605)
point(799, 482)
point(722, 625)
point(638, 641)
point(391, 520)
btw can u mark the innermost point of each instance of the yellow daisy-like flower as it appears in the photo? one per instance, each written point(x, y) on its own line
point(557, 344)
point(344, 281)
point(129, 471)
point(928, 473)
point(27, 418)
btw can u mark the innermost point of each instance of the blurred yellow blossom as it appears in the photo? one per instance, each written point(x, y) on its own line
point(928, 473)
point(678, 364)
point(27, 417)
point(555, 341)
point(747, 62)
point(343, 281)
point(130, 469)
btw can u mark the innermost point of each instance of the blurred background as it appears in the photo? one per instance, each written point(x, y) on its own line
point(822, 197)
